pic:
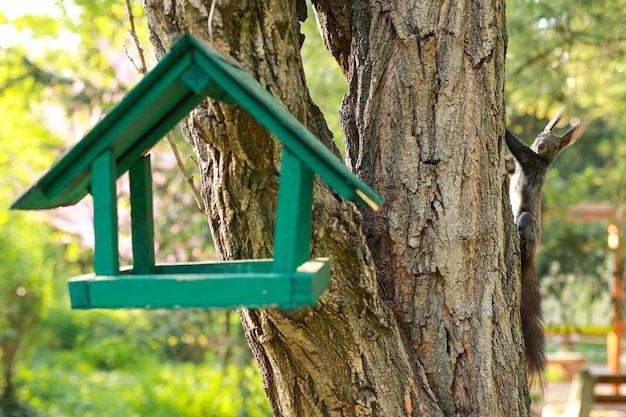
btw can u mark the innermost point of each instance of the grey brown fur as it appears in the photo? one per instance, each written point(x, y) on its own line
point(528, 167)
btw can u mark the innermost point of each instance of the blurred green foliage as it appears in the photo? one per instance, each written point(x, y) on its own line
point(325, 80)
point(62, 76)
point(23, 271)
point(27, 261)
point(67, 70)
point(116, 363)
point(65, 383)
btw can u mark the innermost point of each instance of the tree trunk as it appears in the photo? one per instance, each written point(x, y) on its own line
point(8, 354)
point(422, 317)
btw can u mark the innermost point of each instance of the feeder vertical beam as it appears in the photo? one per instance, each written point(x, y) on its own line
point(141, 216)
point(293, 216)
point(106, 261)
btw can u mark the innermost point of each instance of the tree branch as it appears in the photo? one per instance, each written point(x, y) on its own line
point(142, 69)
point(34, 71)
point(334, 16)
point(186, 175)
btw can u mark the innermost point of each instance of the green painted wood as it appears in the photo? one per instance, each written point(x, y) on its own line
point(310, 293)
point(252, 96)
point(141, 216)
point(106, 260)
point(184, 77)
point(292, 234)
point(192, 70)
point(79, 291)
point(199, 81)
point(253, 266)
point(133, 126)
point(254, 290)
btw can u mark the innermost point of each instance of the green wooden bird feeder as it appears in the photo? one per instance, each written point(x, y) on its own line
point(189, 73)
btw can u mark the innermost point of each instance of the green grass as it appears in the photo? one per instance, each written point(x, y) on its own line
point(593, 352)
point(58, 383)
point(126, 364)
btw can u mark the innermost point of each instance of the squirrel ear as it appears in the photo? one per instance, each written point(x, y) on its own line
point(550, 126)
point(572, 135)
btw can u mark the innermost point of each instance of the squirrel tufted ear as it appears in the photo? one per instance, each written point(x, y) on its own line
point(572, 135)
point(550, 126)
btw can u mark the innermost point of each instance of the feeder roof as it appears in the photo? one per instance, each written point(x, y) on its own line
point(189, 73)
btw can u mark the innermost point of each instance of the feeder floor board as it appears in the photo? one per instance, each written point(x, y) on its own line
point(233, 284)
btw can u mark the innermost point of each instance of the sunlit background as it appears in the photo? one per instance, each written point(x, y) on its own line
point(63, 64)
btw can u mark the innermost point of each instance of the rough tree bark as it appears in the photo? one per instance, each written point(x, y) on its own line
point(422, 315)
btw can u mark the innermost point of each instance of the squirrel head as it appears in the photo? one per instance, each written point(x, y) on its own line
point(548, 144)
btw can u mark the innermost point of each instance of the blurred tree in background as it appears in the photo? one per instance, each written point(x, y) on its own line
point(64, 71)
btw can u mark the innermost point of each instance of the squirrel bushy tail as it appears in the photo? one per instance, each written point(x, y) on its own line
point(528, 168)
point(532, 327)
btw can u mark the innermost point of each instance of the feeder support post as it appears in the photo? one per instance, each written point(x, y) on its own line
point(106, 261)
point(141, 216)
point(292, 234)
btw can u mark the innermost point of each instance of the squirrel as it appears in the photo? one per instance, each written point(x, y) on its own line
point(528, 167)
